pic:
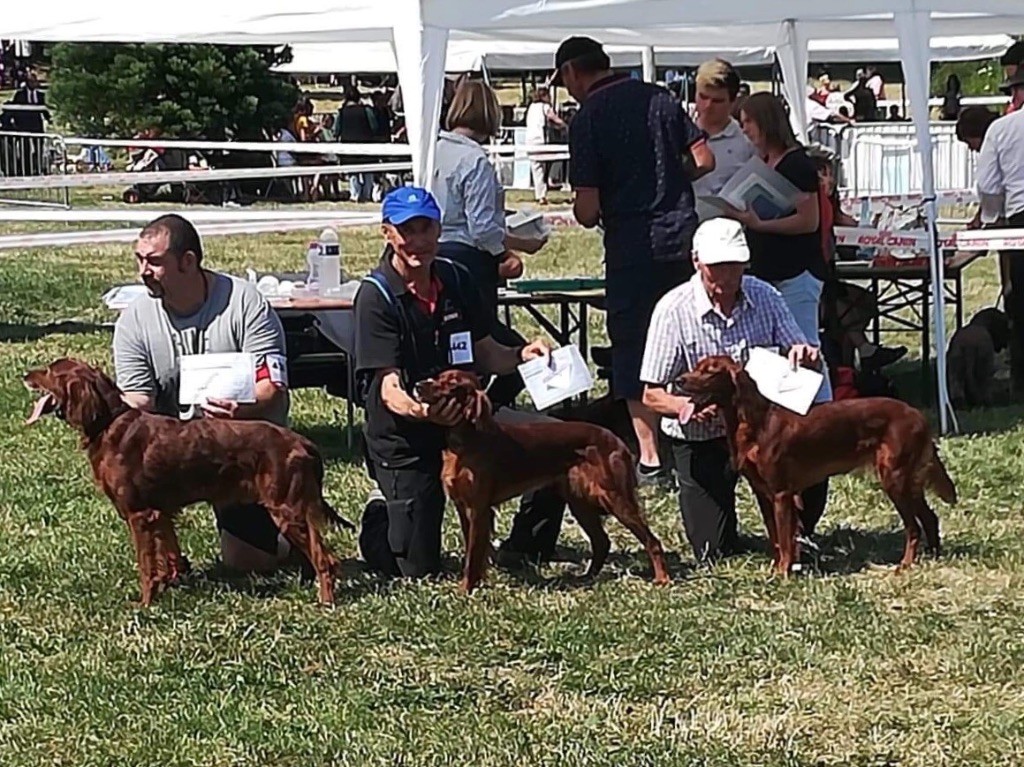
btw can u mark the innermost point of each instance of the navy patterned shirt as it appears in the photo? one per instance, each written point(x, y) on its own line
point(628, 141)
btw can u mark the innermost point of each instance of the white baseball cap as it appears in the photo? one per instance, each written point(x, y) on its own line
point(721, 241)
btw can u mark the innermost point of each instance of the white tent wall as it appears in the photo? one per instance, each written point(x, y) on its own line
point(913, 29)
point(792, 52)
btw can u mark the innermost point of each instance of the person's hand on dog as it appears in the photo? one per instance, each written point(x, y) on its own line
point(804, 354)
point(442, 413)
point(220, 408)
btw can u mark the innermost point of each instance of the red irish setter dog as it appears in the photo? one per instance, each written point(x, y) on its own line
point(782, 453)
point(486, 463)
point(151, 466)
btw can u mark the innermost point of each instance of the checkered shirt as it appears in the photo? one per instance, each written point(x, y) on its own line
point(686, 328)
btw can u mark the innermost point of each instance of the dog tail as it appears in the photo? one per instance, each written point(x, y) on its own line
point(939, 480)
point(334, 517)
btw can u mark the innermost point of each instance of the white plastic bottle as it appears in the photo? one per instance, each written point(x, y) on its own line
point(313, 262)
point(330, 262)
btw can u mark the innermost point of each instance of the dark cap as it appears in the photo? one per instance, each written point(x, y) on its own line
point(570, 49)
point(1016, 79)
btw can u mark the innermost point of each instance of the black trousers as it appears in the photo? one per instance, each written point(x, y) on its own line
point(403, 535)
point(250, 523)
point(707, 498)
point(1015, 309)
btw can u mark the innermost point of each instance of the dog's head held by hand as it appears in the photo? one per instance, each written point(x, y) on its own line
point(456, 386)
point(77, 393)
point(714, 381)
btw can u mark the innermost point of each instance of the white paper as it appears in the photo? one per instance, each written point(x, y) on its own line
point(552, 379)
point(122, 296)
point(778, 382)
point(229, 376)
point(526, 224)
point(754, 186)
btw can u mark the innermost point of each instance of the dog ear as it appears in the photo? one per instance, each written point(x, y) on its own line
point(84, 406)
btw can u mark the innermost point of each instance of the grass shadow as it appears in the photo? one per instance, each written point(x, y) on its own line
point(847, 550)
point(19, 332)
point(332, 440)
point(617, 565)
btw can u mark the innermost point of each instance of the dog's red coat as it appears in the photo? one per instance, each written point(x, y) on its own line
point(781, 453)
point(487, 463)
point(151, 466)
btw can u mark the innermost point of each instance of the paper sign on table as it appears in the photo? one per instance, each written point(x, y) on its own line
point(229, 376)
point(550, 380)
point(778, 382)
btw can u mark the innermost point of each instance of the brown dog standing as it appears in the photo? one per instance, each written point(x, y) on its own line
point(487, 463)
point(151, 466)
point(782, 453)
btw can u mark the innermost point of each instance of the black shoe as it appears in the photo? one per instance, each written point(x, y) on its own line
point(884, 355)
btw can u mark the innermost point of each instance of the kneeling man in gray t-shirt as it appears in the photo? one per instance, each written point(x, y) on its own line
point(192, 310)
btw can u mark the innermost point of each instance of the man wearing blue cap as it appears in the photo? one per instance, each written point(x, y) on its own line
point(416, 315)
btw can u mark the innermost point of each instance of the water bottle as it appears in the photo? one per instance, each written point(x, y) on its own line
point(330, 262)
point(313, 262)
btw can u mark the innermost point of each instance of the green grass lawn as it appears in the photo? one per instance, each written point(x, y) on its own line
point(853, 666)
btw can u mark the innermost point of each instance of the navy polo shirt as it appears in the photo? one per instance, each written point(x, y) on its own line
point(628, 141)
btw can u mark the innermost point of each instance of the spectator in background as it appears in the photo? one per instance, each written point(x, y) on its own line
point(894, 114)
point(539, 115)
point(382, 111)
point(1011, 61)
point(31, 118)
point(951, 98)
point(1001, 189)
point(718, 88)
point(876, 84)
point(743, 95)
point(865, 103)
point(357, 124)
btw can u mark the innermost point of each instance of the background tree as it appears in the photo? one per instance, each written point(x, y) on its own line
point(188, 91)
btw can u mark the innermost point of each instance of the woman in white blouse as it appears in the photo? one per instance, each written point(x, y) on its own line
point(472, 201)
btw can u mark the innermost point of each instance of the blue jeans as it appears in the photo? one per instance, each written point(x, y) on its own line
point(802, 295)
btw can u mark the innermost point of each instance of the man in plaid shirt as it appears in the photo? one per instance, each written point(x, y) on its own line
point(718, 311)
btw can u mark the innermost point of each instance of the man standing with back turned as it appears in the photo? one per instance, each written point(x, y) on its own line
point(633, 155)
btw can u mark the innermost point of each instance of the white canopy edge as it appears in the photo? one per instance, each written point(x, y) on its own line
point(518, 55)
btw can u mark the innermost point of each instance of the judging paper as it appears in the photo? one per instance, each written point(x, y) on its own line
point(755, 186)
point(778, 382)
point(229, 376)
point(557, 377)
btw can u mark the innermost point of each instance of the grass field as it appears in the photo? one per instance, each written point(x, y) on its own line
point(730, 667)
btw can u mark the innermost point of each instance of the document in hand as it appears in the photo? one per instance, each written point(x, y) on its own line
point(122, 296)
point(779, 383)
point(217, 376)
point(755, 187)
point(557, 377)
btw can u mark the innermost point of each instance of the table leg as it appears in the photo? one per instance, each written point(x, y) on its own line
point(350, 407)
point(584, 340)
point(877, 319)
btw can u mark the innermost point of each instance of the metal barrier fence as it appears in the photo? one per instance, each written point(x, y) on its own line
point(880, 158)
point(34, 154)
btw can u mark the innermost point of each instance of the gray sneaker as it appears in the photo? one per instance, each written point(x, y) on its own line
point(661, 479)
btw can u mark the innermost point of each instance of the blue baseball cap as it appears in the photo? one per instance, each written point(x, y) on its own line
point(408, 202)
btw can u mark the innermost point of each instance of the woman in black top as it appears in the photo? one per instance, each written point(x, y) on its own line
point(787, 251)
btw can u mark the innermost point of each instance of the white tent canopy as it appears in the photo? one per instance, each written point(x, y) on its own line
point(420, 31)
point(496, 55)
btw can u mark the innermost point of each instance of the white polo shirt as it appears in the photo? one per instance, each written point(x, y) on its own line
point(731, 149)
point(1001, 163)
